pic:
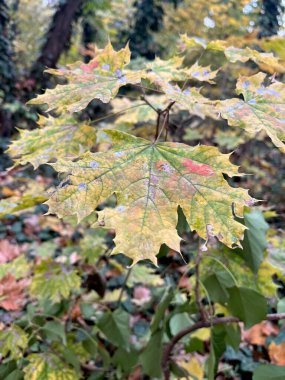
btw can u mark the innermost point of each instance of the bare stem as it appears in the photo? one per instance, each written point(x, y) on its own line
point(124, 285)
point(199, 325)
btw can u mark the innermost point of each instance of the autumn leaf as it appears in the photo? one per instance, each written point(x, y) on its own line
point(193, 368)
point(151, 181)
point(17, 203)
point(57, 137)
point(266, 61)
point(101, 79)
point(13, 341)
point(190, 99)
point(260, 332)
point(161, 72)
point(12, 295)
point(277, 353)
point(263, 108)
point(202, 73)
point(8, 251)
point(53, 281)
point(47, 366)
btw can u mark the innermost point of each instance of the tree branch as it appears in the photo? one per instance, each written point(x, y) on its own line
point(199, 325)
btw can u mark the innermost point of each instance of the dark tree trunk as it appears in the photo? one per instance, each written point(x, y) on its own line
point(57, 39)
point(7, 72)
point(270, 17)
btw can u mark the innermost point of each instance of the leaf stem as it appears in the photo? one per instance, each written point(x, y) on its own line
point(124, 285)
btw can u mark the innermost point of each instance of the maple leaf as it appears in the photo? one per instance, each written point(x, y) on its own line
point(53, 281)
point(190, 99)
point(266, 61)
point(13, 340)
point(150, 182)
point(263, 108)
point(12, 293)
point(47, 366)
point(18, 268)
point(202, 73)
point(160, 71)
point(101, 79)
point(8, 251)
point(57, 137)
point(166, 70)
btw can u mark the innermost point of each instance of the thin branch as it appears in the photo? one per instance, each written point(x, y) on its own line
point(146, 88)
point(149, 104)
point(115, 113)
point(124, 285)
point(199, 325)
point(165, 115)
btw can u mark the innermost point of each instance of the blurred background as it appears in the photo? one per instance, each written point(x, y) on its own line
point(35, 34)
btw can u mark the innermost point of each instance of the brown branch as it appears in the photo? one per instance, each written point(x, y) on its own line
point(199, 325)
point(124, 285)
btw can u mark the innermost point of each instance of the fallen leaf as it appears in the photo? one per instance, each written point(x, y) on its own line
point(141, 295)
point(257, 334)
point(277, 353)
point(8, 251)
point(12, 293)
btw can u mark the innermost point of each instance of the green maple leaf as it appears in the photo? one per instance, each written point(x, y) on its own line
point(61, 137)
point(101, 79)
point(13, 340)
point(150, 182)
point(46, 366)
point(53, 281)
point(263, 108)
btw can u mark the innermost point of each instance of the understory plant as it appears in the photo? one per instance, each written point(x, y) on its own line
point(131, 177)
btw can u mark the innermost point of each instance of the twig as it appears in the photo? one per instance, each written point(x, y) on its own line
point(149, 104)
point(115, 113)
point(124, 285)
point(199, 325)
point(159, 132)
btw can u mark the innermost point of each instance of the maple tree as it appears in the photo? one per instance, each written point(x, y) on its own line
point(137, 182)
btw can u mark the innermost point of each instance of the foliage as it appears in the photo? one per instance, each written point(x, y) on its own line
point(155, 264)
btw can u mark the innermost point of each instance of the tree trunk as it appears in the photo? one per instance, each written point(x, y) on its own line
point(7, 71)
point(57, 39)
point(270, 17)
